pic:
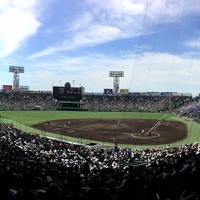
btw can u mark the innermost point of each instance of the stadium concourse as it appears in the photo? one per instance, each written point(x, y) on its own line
point(36, 167)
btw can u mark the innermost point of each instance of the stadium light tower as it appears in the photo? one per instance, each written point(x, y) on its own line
point(16, 71)
point(116, 75)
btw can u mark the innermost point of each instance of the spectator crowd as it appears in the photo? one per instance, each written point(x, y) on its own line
point(41, 168)
point(37, 167)
point(181, 105)
point(26, 100)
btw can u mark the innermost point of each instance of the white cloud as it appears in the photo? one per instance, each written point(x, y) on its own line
point(80, 23)
point(99, 22)
point(157, 72)
point(108, 20)
point(114, 19)
point(17, 23)
point(117, 8)
point(94, 35)
point(192, 43)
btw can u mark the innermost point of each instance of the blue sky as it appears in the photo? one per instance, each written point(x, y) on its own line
point(155, 42)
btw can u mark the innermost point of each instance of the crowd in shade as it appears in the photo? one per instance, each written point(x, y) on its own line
point(41, 168)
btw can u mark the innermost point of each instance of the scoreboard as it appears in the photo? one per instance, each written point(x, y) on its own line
point(108, 91)
point(67, 93)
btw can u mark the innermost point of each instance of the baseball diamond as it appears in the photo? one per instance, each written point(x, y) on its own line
point(119, 131)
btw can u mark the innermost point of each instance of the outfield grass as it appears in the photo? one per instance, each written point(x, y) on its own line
point(24, 119)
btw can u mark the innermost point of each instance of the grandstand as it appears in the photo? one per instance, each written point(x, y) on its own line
point(44, 161)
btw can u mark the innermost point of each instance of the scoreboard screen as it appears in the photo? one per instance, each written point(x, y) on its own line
point(108, 91)
point(61, 90)
point(67, 93)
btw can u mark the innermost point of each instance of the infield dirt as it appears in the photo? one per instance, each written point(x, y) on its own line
point(119, 131)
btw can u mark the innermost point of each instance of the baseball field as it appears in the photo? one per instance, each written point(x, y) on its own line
point(126, 129)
